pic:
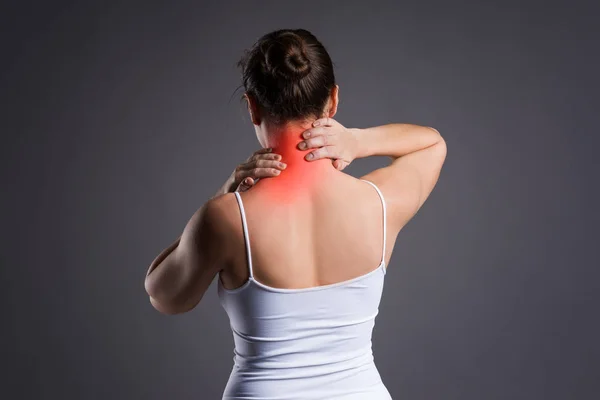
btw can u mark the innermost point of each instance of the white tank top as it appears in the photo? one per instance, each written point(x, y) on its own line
point(306, 343)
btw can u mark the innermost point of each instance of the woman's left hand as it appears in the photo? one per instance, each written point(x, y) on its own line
point(261, 164)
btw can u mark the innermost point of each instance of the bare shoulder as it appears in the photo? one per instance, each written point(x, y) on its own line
point(211, 227)
point(221, 213)
point(399, 208)
point(408, 181)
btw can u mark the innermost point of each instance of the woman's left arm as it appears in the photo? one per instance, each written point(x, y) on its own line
point(178, 278)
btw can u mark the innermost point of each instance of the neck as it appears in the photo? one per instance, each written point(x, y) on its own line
point(300, 177)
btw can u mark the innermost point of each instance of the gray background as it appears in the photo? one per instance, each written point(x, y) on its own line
point(118, 122)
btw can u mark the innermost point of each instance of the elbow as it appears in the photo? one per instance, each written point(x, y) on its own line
point(165, 309)
point(158, 299)
point(440, 143)
point(159, 286)
point(443, 147)
point(167, 305)
point(437, 133)
point(151, 286)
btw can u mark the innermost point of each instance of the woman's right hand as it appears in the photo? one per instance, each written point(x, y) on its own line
point(262, 164)
point(331, 140)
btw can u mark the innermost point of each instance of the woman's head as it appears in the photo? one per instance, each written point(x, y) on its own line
point(288, 75)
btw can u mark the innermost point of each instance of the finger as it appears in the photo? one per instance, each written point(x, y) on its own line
point(323, 122)
point(246, 184)
point(265, 156)
point(263, 151)
point(261, 163)
point(269, 156)
point(321, 152)
point(264, 172)
point(258, 152)
point(313, 132)
point(315, 142)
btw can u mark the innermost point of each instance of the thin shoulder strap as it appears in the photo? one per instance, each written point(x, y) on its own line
point(384, 216)
point(246, 236)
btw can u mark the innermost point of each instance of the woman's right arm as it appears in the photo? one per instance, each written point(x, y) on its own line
point(417, 153)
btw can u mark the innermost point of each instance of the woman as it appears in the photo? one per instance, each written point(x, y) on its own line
point(300, 248)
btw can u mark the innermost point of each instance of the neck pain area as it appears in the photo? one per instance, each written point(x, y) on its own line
point(301, 177)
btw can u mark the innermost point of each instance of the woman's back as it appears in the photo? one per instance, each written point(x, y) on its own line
point(330, 231)
point(302, 325)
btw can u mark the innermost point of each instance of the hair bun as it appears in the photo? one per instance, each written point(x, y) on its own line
point(289, 74)
point(287, 58)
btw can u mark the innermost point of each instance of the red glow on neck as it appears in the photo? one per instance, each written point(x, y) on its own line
point(300, 177)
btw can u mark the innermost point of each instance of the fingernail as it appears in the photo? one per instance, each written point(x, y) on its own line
point(282, 165)
point(270, 149)
point(309, 156)
point(316, 123)
point(302, 145)
point(306, 134)
point(247, 181)
point(277, 172)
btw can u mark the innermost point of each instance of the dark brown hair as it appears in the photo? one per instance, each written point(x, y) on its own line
point(289, 73)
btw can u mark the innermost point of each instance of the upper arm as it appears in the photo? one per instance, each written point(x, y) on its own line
point(182, 279)
point(408, 181)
